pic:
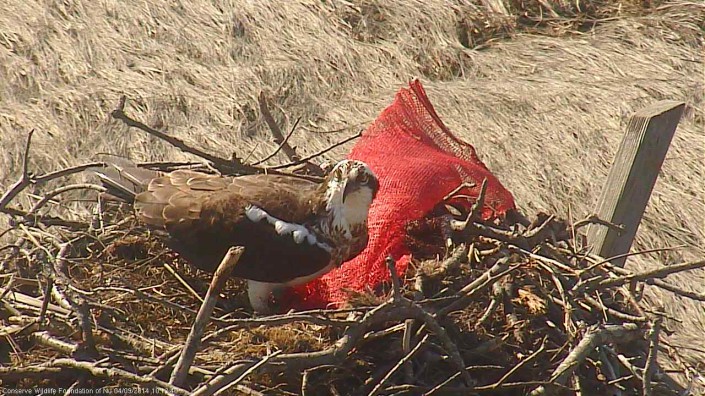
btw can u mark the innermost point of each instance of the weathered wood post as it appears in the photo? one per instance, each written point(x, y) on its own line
point(632, 177)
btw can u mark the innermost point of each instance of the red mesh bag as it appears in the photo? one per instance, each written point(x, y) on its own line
point(418, 162)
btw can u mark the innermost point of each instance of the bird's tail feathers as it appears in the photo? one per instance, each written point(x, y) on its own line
point(122, 178)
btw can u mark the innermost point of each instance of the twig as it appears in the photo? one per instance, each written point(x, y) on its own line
point(282, 143)
point(314, 155)
point(498, 270)
point(475, 210)
point(456, 257)
point(194, 338)
point(640, 276)
point(533, 232)
point(25, 178)
point(396, 288)
point(229, 379)
point(67, 171)
point(559, 280)
point(171, 165)
point(276, 132)
point(547, 260)
point(22, 373)
point(375, 335)
point(595, 336)
point(611, 372)
point(458, 189)
point(637, 372)
point(45, 301)
point(593, 219)
point(430, 322)
point(18, 297)
point(134, 340)
point(611, 311)
point(51, 194)
point(223, 164)
point(524, 362)
point(183, 282)
point(441, 384)
point(650, 366)
point(604, 261)
point(8, 286)
point(46, 339)
point(149, 297)
point(676, 290)
point(406, 347)
point(375, 391)
point(72, 389)
point(278, 320)
point(80, 308)
point(114, 372)
point(305, 378)
point(497, 296)
point(47, 220)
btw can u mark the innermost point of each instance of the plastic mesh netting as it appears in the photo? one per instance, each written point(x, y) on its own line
point(418, 162)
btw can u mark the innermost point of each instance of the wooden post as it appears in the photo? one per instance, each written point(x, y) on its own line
point(632, 178)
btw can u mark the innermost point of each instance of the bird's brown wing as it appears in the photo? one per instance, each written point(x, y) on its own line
point(179, 198)
point(204, 215)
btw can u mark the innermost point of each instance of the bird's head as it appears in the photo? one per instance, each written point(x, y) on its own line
point(350, 188)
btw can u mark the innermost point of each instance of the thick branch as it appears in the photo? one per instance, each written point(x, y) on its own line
point(594, 337)
point(194, 338)
point(227, 166)
point(108, 372)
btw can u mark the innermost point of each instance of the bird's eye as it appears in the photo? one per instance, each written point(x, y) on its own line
point(364, 179)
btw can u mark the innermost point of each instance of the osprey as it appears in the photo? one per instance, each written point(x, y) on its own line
point(293, 230)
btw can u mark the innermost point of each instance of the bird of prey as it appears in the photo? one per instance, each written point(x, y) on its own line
point(293, 230)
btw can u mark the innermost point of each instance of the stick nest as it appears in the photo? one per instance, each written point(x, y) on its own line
point(509, 307)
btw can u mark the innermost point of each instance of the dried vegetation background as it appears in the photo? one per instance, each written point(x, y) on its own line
point(542, 89)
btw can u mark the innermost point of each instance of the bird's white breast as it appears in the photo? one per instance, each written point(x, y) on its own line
point(350, 214)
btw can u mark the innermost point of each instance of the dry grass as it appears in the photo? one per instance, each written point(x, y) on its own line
point(543, 103)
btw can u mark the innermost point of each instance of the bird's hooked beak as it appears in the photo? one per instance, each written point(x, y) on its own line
point(349, 187)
